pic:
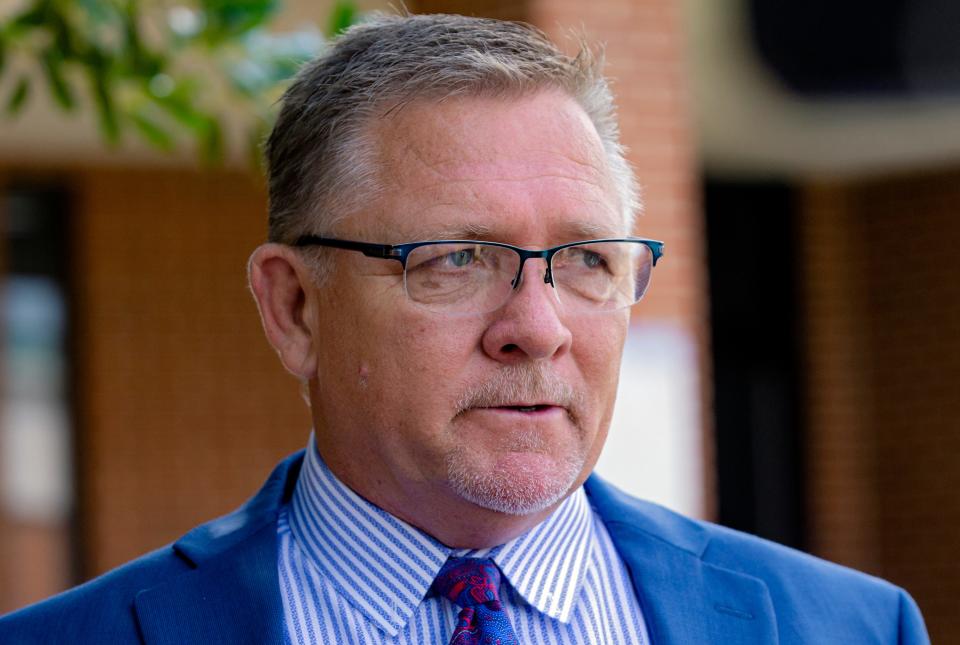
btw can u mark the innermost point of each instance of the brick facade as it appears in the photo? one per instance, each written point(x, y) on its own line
point(185, 409)
point(883, 352)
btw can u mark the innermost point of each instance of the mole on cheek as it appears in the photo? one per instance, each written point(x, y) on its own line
point(362, 374)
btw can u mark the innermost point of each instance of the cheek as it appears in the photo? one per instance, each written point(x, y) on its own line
point(421, 365)
point(599, 348)
point(414, 385)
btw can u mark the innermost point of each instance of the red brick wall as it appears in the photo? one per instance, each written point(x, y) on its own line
point(185, 409)
point(841, 448)
point(883, 310)
point(34, 562)
point(500, 9)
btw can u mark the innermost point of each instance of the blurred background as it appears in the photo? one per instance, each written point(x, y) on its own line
point(792, 373)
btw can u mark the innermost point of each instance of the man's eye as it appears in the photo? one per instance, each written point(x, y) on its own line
point(588, 259)
point(461, 258)
point(592, 260)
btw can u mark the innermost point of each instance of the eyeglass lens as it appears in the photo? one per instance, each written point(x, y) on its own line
point(476, 277)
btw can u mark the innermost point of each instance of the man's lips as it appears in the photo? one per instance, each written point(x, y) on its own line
point(524, 408)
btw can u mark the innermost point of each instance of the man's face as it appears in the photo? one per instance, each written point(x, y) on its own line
point(419, 411)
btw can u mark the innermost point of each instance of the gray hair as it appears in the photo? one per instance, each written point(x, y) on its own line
point(320, 156)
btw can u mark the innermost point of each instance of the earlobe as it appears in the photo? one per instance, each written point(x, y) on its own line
point(279, 281)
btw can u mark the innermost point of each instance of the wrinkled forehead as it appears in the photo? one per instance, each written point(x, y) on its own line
point(470, 167)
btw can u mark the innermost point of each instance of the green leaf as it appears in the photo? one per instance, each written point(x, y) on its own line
point(107, 41)
point(103, 98)
point(228, 19)
point(52, 67)
point(100, 12)
point(36, 16)
point(343, 15)
point(19, 96)
point(182, 110)
point(133, 43)
point(211, 142)
point(152, 131)
point(63, 35)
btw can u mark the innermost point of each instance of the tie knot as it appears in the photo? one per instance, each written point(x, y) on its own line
point(469, 582)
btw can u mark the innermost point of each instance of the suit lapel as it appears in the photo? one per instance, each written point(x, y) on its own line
point(684, 599)
point(232, 593)
point(233, 598)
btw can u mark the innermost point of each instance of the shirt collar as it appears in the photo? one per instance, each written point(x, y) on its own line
point(547, 564)
point(384, 567)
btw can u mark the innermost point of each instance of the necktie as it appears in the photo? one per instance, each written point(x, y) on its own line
point(474, 584)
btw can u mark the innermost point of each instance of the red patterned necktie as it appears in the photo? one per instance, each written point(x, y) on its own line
point(474, 584)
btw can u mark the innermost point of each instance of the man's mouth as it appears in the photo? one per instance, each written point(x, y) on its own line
point(527, 408)
point(527, 393)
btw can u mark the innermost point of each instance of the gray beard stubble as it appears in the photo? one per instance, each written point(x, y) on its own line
point(512, 492)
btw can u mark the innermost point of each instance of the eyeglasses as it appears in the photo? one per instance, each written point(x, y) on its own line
point(462, 277)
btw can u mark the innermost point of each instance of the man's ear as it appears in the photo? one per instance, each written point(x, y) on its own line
point(280, 281)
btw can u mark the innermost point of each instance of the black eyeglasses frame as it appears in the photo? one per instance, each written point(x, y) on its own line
point(400, 252)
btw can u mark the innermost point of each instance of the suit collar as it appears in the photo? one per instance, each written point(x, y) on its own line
point(213, 538)
point(672, 528)
point(231, 593)
point(684, 598)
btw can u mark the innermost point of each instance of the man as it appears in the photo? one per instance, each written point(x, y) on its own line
point(449, 274)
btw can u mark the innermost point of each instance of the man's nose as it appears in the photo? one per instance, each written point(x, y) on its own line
point(530, 325)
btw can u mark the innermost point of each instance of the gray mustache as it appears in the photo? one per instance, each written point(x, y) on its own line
point(527, 384)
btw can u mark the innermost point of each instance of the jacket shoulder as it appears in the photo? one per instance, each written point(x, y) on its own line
point(100, 610)
point(814, 591)
point(806, 591)
point(722, 546)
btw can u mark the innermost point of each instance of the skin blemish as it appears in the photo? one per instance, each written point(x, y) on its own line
point(362, 373)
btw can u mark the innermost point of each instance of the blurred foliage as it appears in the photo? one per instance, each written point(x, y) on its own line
point(162, 70)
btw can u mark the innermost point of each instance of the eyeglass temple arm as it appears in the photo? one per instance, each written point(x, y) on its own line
point(370, 250)
point(657, 248)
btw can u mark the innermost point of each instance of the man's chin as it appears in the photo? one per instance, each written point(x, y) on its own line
point(521, 483)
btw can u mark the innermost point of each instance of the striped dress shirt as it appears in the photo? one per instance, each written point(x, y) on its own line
point(352, 573)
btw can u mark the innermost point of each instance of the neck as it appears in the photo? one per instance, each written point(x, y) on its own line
point(441, 514)
point(460, 524)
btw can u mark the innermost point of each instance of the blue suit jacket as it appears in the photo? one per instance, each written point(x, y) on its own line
point(697, 583)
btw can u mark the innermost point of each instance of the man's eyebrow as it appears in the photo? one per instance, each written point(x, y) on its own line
point(590, 230)
point(573, 231)
point(469, 231)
